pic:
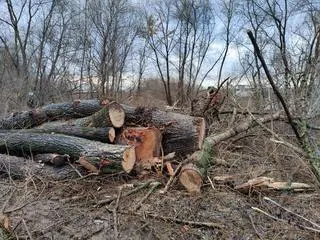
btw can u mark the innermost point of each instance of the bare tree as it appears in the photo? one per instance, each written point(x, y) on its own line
point(160, 32)
point(112, 37)
point(195, 35)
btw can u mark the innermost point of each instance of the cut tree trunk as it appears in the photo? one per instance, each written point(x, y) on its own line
point(111, 114)
point(105, 134)
point(182, 134)
point(20, 168)
point(34, 143)
point(35, 117)
point(147, 142)
point(192, 174)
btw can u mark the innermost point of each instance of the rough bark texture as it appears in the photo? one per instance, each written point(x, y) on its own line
point(106, 134)
point(182, 134)
point(20, 168)
point(26, 143)
point(35, 117)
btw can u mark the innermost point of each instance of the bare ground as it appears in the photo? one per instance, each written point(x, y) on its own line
point(69, 209)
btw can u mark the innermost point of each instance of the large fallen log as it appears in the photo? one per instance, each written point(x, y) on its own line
point(32, 143)
point(105, 134)
point(68, 110)
point(20, 168)
point(192, 174)
point(182, 134)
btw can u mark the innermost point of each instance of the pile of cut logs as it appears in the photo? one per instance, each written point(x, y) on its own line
point(102, 136)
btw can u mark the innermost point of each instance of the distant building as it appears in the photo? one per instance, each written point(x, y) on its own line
point(242, 90)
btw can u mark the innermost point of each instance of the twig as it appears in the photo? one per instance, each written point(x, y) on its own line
point(211, 183)
point(115, 215)
point(283, 220)
point(280, 140)
point(154, 186)
point(18, 208)
point(170, 181)
point(76, 170)
point(288, 210)
point(254, 226)
point(27, 229)
point(137, 189)
point(173, 219)
point(162, 158)
point(7, 201)
point(289, 145)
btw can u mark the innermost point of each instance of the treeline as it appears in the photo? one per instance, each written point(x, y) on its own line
point(54, 49)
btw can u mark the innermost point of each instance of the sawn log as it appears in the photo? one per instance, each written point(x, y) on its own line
point(32, 143)
point(104, 134)
point(182, 134)
point(20, 168)
point(67, 110)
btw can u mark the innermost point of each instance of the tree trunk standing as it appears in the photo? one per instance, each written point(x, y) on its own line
point(181, 133)
point(33, 143)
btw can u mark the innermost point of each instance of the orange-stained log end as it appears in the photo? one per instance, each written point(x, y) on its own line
point(147, 143)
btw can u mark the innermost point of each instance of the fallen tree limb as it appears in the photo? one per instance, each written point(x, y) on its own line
point(182, 134)
point(191, 175)
point(138, 187)
point(34, 143)
point(266, 183)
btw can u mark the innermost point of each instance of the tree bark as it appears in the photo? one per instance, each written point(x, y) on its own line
point(34, 143)
point(35, 117)
point(105, 134)
point(182, 134)
point(20, 168)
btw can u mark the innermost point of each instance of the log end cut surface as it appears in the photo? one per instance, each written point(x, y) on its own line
point(191, 179)
point(111, 135)
point(129, 159)
point(116, 114)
